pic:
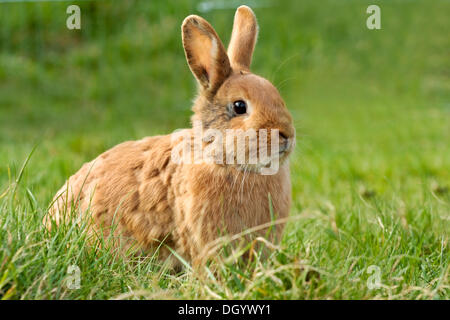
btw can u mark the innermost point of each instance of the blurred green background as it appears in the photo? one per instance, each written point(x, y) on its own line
point(371, 107)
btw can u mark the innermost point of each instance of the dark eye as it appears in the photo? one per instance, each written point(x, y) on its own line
point(239, 107)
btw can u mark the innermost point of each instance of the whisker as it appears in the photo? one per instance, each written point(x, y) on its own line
point(281, 65)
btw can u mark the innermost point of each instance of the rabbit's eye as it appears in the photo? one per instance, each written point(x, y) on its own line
point(239, 107)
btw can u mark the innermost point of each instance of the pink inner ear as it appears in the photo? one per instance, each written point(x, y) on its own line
point(200, 46)
point(205, 53)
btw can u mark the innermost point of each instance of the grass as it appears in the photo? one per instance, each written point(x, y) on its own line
point(371, 173)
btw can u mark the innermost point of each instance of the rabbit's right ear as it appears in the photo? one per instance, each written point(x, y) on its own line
point(243, 38)
point(205, 53)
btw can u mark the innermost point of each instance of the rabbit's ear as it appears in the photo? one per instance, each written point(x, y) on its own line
point(205, 53)
point(243, 38)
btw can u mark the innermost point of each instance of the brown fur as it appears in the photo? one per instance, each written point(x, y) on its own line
point(188, 206)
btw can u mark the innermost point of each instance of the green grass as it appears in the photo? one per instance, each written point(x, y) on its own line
point(371, 173)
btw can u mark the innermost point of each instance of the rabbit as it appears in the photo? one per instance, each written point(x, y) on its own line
point(187, 206)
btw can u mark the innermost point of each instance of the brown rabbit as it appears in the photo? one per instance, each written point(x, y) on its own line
point(188, 205)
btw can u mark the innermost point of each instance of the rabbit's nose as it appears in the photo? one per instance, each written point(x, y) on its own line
point(284, 142)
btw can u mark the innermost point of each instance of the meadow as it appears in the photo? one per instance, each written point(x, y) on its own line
point(370, 173)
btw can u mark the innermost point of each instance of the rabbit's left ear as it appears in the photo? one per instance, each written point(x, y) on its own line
point(243, 38)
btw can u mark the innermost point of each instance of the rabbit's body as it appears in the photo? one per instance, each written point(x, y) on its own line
point(137, 190)
point(186, 206)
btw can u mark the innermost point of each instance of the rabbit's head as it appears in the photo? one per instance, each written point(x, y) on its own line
point(230, 96)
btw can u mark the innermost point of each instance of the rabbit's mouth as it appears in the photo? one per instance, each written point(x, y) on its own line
point(268, 167)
